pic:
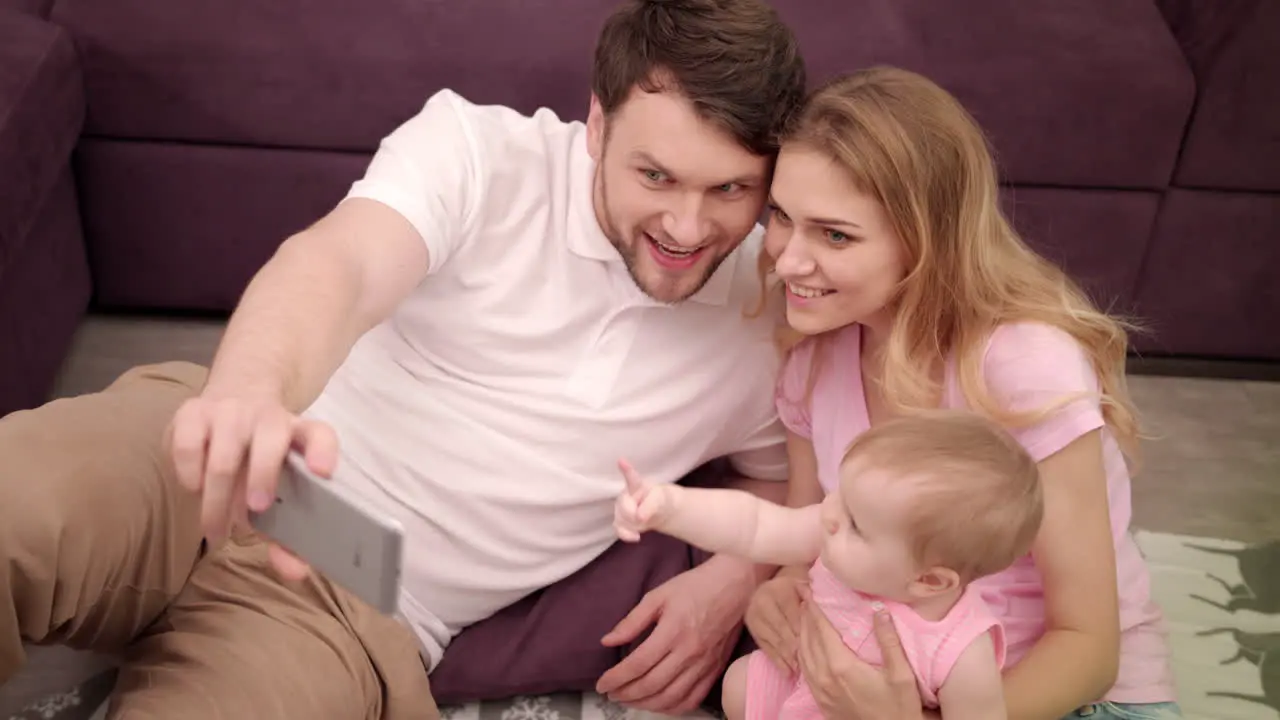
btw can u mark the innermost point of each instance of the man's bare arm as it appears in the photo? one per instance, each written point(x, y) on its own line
point(322, 290)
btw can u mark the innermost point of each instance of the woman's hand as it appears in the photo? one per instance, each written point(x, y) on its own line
point(846, 687)
point(773, 617)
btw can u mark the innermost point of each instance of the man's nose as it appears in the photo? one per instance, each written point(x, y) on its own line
point(686, 224)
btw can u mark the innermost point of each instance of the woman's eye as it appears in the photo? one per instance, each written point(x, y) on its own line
point(654, 175)
point(836, 236)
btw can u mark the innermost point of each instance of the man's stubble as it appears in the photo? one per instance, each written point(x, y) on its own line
point(630, 252)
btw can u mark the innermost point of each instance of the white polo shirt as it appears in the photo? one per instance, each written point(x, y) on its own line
point(489, 412)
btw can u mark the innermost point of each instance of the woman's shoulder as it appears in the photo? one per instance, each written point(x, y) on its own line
point(1031, 350)
point(807, 375)
point(1031, 337)
point(815, 353)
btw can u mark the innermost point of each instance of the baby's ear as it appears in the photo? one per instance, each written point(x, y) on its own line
point(934, 581)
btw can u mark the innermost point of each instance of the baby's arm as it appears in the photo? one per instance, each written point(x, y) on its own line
point(739, 523)
point(733, 522)
point(974, 690)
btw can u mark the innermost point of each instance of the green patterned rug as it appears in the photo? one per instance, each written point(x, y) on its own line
point(1222, 600)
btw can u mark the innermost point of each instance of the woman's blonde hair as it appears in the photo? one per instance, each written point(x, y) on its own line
point(911, 146)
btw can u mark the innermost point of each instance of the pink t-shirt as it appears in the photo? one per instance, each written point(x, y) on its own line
point(1026, 366)
point(932, 647)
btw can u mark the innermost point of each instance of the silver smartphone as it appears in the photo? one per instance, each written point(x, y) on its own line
point(341, 536)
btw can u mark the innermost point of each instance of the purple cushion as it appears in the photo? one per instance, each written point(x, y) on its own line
point(178, 226)
point(550, 641)
point(1071, 92)
point(1234, 138)
point(1099, 237)
point(41, 111)
point(1209, 284)
point(330, 74)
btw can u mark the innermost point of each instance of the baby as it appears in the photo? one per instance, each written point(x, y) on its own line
point(925, 506)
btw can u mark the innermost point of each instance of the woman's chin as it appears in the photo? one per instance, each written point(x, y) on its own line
point(809, 323)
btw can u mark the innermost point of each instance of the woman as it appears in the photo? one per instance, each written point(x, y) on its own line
point(907, 290)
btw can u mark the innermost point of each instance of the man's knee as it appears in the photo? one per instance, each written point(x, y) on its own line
point(183, 375)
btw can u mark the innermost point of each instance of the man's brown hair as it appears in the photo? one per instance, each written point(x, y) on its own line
point(978, 505)
point(735, 60)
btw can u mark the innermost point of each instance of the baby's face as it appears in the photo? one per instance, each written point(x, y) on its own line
point(866, 546)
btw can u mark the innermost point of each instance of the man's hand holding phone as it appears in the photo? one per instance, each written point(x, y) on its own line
point(231, 451)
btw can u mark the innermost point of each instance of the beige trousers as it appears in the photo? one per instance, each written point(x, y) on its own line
point(101, 549)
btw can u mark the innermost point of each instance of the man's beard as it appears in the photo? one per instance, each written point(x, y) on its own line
point(630, 252)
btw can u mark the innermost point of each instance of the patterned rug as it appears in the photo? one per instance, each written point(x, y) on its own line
point(1222, 600)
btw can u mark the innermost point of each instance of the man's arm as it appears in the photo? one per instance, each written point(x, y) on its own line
point(331, 283)
point(323, 289)
point(974, 689)
point(737, 523)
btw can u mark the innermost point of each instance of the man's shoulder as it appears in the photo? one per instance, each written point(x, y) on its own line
point(495, 123)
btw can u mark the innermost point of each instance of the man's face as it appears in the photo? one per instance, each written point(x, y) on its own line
point(673, 193)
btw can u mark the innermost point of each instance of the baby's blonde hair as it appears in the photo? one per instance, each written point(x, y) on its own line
point(977, 504)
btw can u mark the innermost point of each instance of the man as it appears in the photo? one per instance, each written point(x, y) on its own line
point(500, 309)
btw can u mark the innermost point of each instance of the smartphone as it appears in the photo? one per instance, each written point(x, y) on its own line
point(340, 535)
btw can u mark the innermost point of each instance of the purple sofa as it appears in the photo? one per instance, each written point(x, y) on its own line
point(1137, 139)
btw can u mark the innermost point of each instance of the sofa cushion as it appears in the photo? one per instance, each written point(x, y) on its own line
point(1076, 92)
point(1208, 286)
point(41, 112)
point(324, 74)
point(178, 226)
point(1071, 93)
point(1234, 138)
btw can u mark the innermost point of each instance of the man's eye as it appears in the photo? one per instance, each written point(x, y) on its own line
point(727, 187)
point(654, 176)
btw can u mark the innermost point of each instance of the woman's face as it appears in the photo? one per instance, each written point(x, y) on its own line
point(832, 245)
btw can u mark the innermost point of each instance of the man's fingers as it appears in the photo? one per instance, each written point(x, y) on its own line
point(630, 627)
point(642, 660)
point(288, 565)
point(318, 444)
point(675, 698)
point(271, 439)
point(656, 682)
point(697, 694)
point(227, 441)
point(188, 437)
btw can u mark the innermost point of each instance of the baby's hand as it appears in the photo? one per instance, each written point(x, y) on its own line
point(642, 506)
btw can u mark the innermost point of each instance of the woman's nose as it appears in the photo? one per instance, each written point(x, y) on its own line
point(794, 261)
